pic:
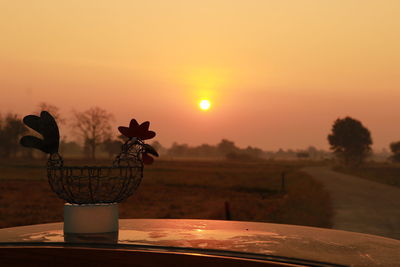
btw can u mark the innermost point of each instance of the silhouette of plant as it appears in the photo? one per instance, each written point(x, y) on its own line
point(47, 127)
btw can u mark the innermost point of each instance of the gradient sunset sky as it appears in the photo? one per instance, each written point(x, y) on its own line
point(278, 73)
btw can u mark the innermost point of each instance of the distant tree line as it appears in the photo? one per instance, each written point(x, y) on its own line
point(225, 148)
point(349, 140)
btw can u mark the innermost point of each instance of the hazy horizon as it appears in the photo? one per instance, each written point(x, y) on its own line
point(278, 73)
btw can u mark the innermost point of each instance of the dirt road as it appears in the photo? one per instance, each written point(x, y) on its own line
point(361, 205)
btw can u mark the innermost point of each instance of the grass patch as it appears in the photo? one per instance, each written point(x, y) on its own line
point(180, 189)
point(385, 173)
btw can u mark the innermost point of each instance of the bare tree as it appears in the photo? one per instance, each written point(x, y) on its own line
point(53, 110)
point(11, 130)
point(94, 125)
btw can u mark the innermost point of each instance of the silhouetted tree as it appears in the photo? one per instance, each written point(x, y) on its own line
point(53, 110)
point(302, 155)
point(94, 125)
point(312, 152)
point(179, 150)
point(158, 147)
point(206, 150)
point(247, 154)
point(254, 152)
point(11, 130)
point(112, 147)
point(226, 147)
point(395, 148)
point(70, 147)
point(350, 141)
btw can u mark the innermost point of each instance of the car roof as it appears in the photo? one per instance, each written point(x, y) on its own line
point(244, 239)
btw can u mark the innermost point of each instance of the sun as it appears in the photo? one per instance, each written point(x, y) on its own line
point(205, 104)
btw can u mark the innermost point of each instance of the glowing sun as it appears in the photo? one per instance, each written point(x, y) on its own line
point(205, 104)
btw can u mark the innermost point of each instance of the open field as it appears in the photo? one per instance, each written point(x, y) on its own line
point(180, 189)
point(385, 173)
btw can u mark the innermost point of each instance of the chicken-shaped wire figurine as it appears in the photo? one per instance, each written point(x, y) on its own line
point(92, 184)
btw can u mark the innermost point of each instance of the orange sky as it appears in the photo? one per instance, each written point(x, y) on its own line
point(278, 73)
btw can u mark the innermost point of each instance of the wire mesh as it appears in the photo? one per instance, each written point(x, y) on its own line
point(97, 184)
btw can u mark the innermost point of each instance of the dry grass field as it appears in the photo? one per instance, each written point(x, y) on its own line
point(179, 189)
point(385, 173)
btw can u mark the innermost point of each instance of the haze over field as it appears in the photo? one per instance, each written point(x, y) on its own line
point(277, 73)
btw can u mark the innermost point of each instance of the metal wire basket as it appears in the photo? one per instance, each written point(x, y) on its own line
point(97, 184)
point(92, 184)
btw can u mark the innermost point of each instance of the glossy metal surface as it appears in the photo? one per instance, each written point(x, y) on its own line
point(298, 242)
